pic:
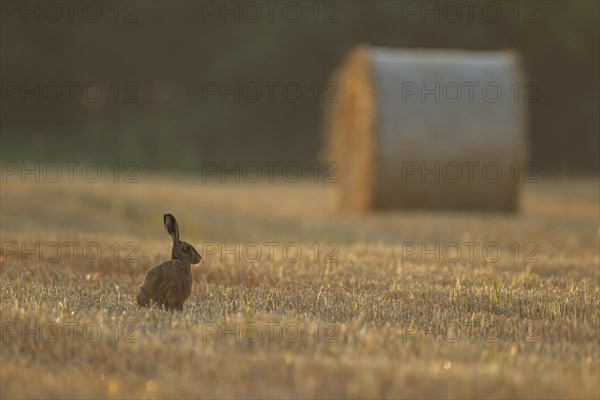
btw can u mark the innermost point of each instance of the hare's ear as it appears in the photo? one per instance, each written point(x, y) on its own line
point(171, 226)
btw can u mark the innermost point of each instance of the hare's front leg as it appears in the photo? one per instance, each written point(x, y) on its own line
point(174, 301)
point(171, 304)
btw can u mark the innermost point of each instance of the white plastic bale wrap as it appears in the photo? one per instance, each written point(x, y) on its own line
point(436, 148)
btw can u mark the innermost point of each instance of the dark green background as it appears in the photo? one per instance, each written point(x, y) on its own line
point(177, 47)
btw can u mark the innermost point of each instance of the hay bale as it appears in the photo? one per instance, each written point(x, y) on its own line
point(381, 130)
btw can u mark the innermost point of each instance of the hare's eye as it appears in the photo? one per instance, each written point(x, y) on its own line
point(187, 247)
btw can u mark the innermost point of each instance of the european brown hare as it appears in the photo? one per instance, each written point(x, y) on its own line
point(170, 284)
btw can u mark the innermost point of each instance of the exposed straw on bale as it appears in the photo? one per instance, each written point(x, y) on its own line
point(379, 132)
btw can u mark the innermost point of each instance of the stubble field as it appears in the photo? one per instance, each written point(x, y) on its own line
point(295, 300)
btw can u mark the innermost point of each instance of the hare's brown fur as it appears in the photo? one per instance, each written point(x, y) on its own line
point(169, 284)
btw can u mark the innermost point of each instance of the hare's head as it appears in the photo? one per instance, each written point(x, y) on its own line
point(180, 250)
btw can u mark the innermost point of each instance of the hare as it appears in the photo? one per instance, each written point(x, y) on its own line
point(170, 284)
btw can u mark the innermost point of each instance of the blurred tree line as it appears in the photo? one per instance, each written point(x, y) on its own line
point(163, 68)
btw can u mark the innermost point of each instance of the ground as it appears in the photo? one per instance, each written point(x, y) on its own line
point(397, 304)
